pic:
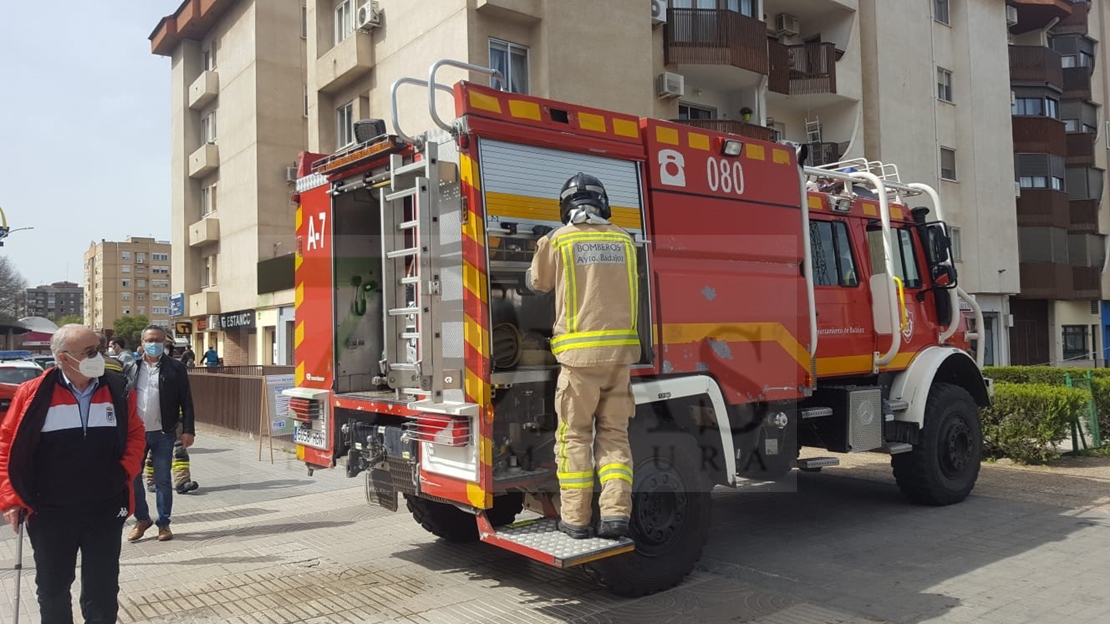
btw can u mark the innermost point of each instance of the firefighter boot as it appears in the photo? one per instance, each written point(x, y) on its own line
point(182, 478)
point(575, 401)
point(614, 455)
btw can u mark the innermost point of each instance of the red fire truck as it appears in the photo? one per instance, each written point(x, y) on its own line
point(781, 306)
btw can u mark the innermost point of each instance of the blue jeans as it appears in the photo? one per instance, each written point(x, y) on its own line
point(160, 445)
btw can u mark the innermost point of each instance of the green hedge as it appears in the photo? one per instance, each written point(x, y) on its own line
point(1026, 419)
point(1100, 384)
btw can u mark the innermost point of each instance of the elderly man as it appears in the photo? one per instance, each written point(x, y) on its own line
point(164, 399)
point(69, 449)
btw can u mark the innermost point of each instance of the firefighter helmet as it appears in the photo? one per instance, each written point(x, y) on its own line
point(583, 191)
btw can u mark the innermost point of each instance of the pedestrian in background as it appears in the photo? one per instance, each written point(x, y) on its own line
point(188, 358)
point(164, 398)
point(210, 356)
point(110, 363)
point(69, 449)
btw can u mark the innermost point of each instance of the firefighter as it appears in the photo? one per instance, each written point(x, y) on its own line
point(591, 265)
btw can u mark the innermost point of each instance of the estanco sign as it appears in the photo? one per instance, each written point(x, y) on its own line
point(237, 320)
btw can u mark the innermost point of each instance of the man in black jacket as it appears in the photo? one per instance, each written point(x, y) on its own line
point(161, 385)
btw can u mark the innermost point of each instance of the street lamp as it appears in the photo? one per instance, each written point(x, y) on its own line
point(4, 231)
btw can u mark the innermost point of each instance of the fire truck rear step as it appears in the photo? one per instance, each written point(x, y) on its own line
point(541, 540)
point(895, 448)
point(817, 463)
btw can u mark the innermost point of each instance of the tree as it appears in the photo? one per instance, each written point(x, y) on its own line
point(13, 289)
point(70, 319)
point(130, 328)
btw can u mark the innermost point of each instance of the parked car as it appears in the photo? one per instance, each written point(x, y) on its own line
point(13, 373)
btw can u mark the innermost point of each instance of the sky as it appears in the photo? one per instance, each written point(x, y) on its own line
point(84, 130)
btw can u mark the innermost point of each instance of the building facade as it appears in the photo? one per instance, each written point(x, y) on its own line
point(923, 84)
point(1060, 163)
point(54, 301)
point(238, 123)
point(129, 278)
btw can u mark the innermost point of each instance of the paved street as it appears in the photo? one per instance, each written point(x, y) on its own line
point(266, 543)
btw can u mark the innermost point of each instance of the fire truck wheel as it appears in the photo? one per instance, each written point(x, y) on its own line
point(943, 467)
point(670, 515)
point(454, 524)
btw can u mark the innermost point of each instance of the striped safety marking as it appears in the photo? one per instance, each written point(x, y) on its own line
point(515, 107)
point(699, 140)
point(819, 202)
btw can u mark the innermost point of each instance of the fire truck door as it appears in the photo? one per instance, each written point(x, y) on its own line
point(521, 185)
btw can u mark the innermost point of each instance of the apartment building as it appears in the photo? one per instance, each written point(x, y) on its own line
point(920, 83)
point(237, 75)
point(128, 278)
point(54, 301)
point(1060, 166)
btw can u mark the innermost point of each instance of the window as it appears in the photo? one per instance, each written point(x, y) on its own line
point(512, 61)
point(304, 22)
point(208, 57)
point(163, 257)
point(832, 254)
point(125, 268)
point(1075, 342)
point(159, 283)
point(344, 125)
point(304, 109)
point(127, 310)
point(903, 255)
point(208, 128)
point(743, 7)
point(140, 257)
point(940, 11)
point(142, 310)
point(957, 244)
point(209, 278)
point(125, 296)
point(160, 311)
point(1071, 125)
point(944, 85)
point(947, 163)
point(693, 111)
point(160, 296)
point(161, 270)
point(1057, 183)
point(344, 21)
point(207, 204)
point(1052, 108)
point(1069, 60)
point(126, 255)
point(140, 297)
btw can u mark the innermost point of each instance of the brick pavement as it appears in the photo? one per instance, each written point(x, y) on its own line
point(266, 543)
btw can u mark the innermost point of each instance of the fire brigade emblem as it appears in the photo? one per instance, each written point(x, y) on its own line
point(672, 168)
point(907, 332)
point(110, 415)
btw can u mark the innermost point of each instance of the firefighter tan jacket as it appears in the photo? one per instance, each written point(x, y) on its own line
point(592, 268)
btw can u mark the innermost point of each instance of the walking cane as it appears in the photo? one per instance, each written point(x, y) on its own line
point(18, 567)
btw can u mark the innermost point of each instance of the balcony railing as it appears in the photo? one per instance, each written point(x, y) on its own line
point(1045, 280)
point(1077, 83)
point(1040, 135)
point(1037, 65)
point(715, 37)
point(1043, 208)
point(1086, 283)
point(752, 131)
point(823, 154)
point(1081, 149)
point(802, 69)
point(1084, 216)
point(1076, 23)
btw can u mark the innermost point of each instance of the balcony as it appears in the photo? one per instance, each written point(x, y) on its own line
point(204, 232)
point(204, 161)
point(1086, 283)
point(823, 154)
point(1036, 14)
point(1043, 208)
point(1077, 83)
point(345, 63)
point(1040, 135)
point(750, 130)
point(525, 11)
point(1076, 23)
point(709, 46)
point(204, 303)
point(204, 89)
point(1046, 280)
point(1081, 149)
point(1036, 66)
point(1084, 216)
point(808, 69)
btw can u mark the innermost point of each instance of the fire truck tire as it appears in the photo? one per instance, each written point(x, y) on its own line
point(454, 524)
point(670, 516)
point(943, 467)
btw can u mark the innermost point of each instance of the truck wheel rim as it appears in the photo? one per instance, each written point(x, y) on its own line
point(659, 508)
point(955, 447)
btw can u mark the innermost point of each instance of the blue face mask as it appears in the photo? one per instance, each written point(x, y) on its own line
point(153, 349)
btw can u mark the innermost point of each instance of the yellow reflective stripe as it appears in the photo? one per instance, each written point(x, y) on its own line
point(597, 333)
point(576, 475)
point(180, 465)
point(628, 342)
point(633, 283)
point(616, 466)
point(603, 338)
point(565, 482)
point(609, 472)
point(584, 237)
point(561, 436)
point(572, 289)
point(616, 474)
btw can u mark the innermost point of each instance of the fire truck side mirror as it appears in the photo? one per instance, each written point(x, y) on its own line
point(937, 243)
point(944, 275)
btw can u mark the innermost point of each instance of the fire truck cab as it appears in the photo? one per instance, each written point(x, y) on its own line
point(781, 307)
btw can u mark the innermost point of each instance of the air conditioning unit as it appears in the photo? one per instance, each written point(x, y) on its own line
point(290, 174)
point(369, 16)
point(670, 85)
point(786, 24)
point(658, 12)
point(1011, 16)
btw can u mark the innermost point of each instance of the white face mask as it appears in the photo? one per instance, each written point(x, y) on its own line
point(91, 367)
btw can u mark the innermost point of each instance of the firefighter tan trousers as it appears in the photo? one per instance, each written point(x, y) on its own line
point(589, 398)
